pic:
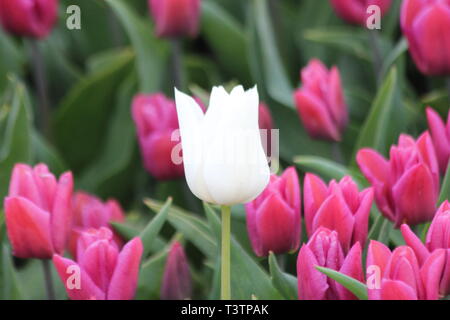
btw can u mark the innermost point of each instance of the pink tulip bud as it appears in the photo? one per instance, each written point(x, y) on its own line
point(174, 18)
point(38, 211)
point(28, 18)
point(265, 118)
point(90, 212)
point(423, 24)
point(400, 275)
point(440, 133)
point(320, 102)
point(273, 218)
point(407, 185)
point(324, 249)
point(101, 272)
point(156, 120)
point(356, 11)
point(438, 237)
point(339, 206)
point(176, 283)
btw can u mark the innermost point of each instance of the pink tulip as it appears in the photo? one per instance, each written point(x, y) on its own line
point(355, 11)
point(320, 102)
point(438, 237)
point(101, 272)
point(29, 18)
point(265, 118)
point(38, 211)
point(339, 206)
point(324, 249)
point(90, 212)
point(440, 133)
point(156, 120)
point(407, 185)
point(176, 283)
point(424, 24)
point(174, 18)
point(399, 274)
point(273, 218)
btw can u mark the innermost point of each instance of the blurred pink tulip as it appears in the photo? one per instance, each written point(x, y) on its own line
point(265, 118)
point(38, 211)
point(324, 249)
point(273, 218)
point(424, 24)
point(400, 275)
point(90, 212)
point(320, 102)
point(339, 206)
point(176, 283)
point(438, 237)
point(104, 272)
point(156, 120)
point(29, 18)
point(174, 18)
point(355, 11)
point(407, 185)
point(440, 133)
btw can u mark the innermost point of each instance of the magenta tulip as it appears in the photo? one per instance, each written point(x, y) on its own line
point(28, 18)
point(320, 102)
point(407, 185)
point(174, 18)
point(424, 24)
point(339, 206)
point(398, 275)
point(273, 218)
point(440, 133)
point(156, 120)
point(101, 271)
point(38, 211)
point(355, 11)
point(90, 212)
point(324, 249)
point(176, 283)
point(438, 237)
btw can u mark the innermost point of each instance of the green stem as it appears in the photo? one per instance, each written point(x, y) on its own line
point(226, 234)
point(48, 279)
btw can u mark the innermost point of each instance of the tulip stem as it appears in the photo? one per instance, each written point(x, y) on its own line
point(377, 54)
point(177, 57)
point(40, 81)
point(226, 235)
point(48, 279)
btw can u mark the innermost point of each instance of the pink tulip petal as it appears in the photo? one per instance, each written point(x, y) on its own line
point(378, 256)
point(61, 218)
point(312, 284)
point(362, 217)
point(441, 140)
point(124, 280)
point(396, 290)
point(87, 290)
point(28, 229)
point(414, 242)
point(431, 273)
point(351, 267)
point(314, 194)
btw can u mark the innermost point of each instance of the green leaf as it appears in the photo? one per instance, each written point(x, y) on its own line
point(150, 276)
point(125, 231)
point(9, 286)
point(81, 121)
point(399, 50)
point(15, 141)
point(327, 169)
point(285, 283)
point(247, 277)
point(193, 228)
point(151, 53)
point(264, 47)
point(445, 188)
point(374, 133)
point(225, 37)
point(148, 235)
point(345, 39)
point(358, 288)
point(11, 61)
point(44, 152)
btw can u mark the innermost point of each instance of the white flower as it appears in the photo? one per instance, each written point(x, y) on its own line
point(224, 161)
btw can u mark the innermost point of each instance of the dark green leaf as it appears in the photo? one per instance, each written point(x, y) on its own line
point(285, 283)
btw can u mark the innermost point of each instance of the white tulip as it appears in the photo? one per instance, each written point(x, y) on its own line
point(224, 161)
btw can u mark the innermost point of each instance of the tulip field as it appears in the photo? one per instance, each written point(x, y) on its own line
point(224, 150)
